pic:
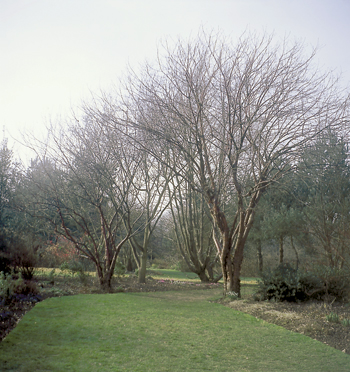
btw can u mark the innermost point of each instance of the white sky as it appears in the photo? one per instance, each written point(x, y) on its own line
point(53, 53)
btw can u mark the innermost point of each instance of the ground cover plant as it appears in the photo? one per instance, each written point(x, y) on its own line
point(157, 331)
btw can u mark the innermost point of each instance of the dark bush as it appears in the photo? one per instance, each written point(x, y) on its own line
point(326, 283)
point(280, 284)
point(13, 285)
point(4, 263)
point(311, 285)
point(287, 284)
point(26, 287)
point(23, 258)
point(4, 256)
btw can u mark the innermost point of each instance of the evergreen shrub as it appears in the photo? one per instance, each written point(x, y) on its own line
point(335, 282)
point(285, 283)
point(280, 284)
point(24, 260)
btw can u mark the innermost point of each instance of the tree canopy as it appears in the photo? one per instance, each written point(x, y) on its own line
point(237, 115)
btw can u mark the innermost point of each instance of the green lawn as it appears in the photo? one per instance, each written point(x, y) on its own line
point(159, 331)
point(155, 273)
point(186, 276)
point(173, 274)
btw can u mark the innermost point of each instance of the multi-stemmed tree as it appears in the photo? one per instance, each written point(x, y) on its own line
point(238, 115)
point(226, 120)
point(151, 184)
point(86, 192)
point(193, 230)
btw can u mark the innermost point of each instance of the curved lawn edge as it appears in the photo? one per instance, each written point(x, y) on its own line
point(158, 331)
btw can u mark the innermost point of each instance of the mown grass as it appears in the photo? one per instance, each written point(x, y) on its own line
point(155, 273)
point(158, 331)
point(173, 274)
point(187, 276)
point(159, 274)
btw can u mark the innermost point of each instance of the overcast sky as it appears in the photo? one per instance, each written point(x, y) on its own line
point(53, 53)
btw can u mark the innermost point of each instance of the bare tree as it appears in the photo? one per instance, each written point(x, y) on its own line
point(88, 182)
point(193, 230)
point(238, 115)
point(151, 184)
point(149, 179)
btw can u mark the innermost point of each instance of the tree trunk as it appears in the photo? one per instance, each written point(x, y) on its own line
point(281, 250)
point(129, 266)
point(226, 267)
point(143, 263)
point(237, 265)
point(105, 280)
point(296, 252)
point(210, 272)
point(260, 257)
point(203, 276)
point(143, 267)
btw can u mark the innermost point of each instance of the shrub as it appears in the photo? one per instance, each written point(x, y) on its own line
point(25, 264)
point(55, 254)
point(73, 266)
point(26, 287)
point(312, 286)
point(280, 284)
point(287, 284)
point(11, 286)
point(325, 283)
point(23, 257)
point(335, 282)
point(8, 285)
point(5, 262)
